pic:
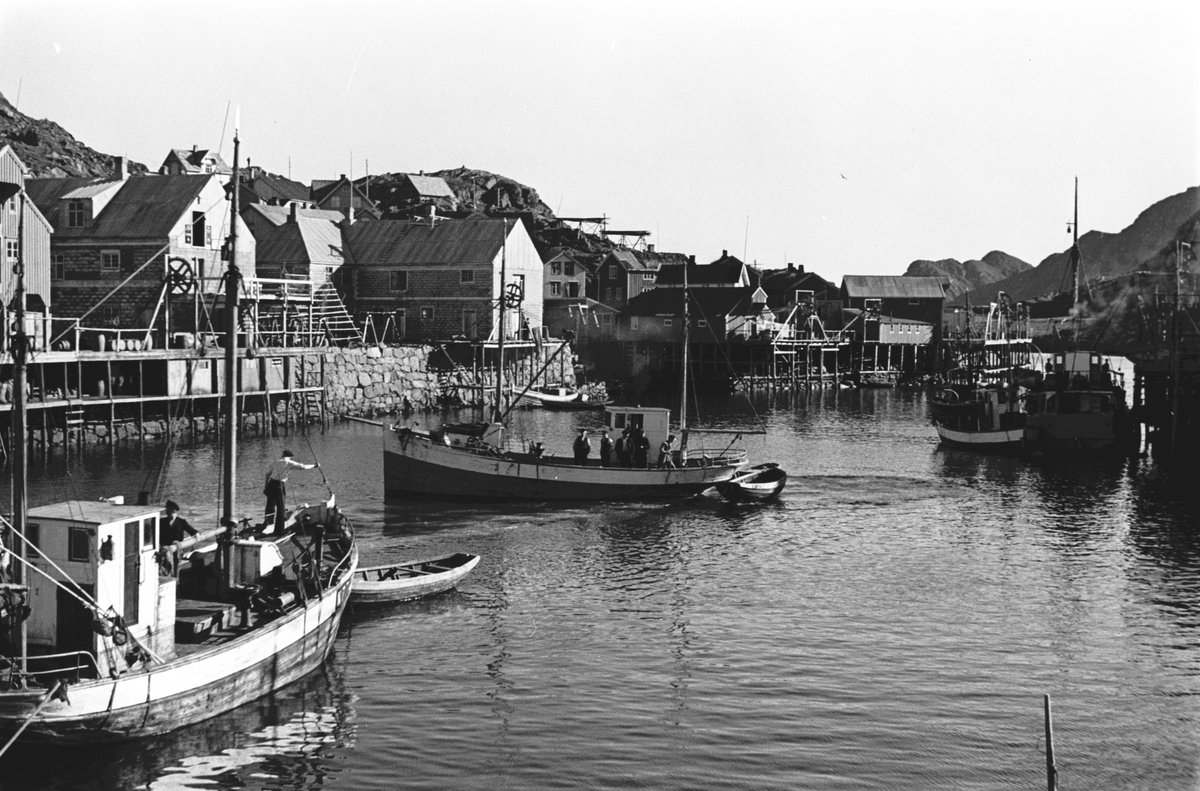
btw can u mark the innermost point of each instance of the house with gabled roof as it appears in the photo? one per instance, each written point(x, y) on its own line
point(439, 279)
point(259, 186)
point(181, 162)
point(24, 236)
point(263, 218)
point(726, 272)
point(345, 196)
point(417, 189)
point(301, 246)
point(621, 276)
point(130, 236)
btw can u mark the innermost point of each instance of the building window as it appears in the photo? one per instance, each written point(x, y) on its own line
point(701, 323)
point(555, 288)
point(612, 271)
point(569, 268)
point(335, 202)
point(399, 280)
point(914, 302)
point(606, 319)
point(110, 260)
point(573, 290)
point(79, 544)
point(608, 294)
point(75, 214)
point(58, 267)
point(194, 232)
point(620, 294)
point(426, 314)
point(633, 323)
point(401, 322)
point(668, 322)
point(556, 267)
point(469, 328)
point(12, 205)
point(33, 534)
point(466, 276)
point(11, 250)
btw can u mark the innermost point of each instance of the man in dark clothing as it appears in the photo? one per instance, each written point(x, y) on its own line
point(173, 527)
point(665, 453)
point(606, 448)
point(641, 449)
point(624, 451)
point(582, 447)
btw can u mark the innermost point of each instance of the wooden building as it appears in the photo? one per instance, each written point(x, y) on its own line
point(899, 297)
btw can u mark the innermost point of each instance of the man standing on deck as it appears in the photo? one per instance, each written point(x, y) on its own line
point(606, 449)
point(275, 489)
point(582, 447)
point(666, 457)
point(174, 527)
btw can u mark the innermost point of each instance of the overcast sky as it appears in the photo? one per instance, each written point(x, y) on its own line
point(849, 137)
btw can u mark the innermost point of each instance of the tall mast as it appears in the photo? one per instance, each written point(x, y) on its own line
point(232, 284)
point(500, 326)
point(20, 473)
point(1075, 247)
point(683, 394)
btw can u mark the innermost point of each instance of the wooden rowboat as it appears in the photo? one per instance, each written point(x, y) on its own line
point(411, 579)
point(762, 482)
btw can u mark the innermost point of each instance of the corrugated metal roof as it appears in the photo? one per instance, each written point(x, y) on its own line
point(894, 287)
point(307, 241)
point(431, 186)
point(279, 214)
point(405, 243)
point(47, 192)
point(149, 206)
point(91, 190)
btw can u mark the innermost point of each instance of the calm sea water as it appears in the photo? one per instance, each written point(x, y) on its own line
point(891, 623)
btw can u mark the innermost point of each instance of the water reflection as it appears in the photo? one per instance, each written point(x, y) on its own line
point(287, 740)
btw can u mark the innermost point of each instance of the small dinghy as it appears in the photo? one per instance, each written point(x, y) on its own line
point(410, 580)
point(762, 482)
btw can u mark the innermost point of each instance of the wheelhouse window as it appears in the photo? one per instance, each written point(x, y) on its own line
point(79, 541)
point(149, 531)
point(399, 280)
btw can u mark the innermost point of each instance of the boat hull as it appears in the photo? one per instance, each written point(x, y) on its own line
point(413, 465)
point(367, 591)
point(1000, 441)
point(188, 689)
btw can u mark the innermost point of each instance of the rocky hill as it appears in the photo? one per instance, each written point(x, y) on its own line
point(1105, 255)
point(969, 275)
point(49, 150)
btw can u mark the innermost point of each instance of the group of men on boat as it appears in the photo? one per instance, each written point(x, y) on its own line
point(631, 449)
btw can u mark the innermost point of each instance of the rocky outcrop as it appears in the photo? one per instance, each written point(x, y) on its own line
point(49, 150)
point(970, 275)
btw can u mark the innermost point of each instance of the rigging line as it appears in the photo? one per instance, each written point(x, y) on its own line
point(724, 354)
point(117, 288)
point(55, 566)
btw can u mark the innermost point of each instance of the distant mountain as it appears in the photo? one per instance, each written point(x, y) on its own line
point(1105, 255)
point(973, 274)
point(49, 150)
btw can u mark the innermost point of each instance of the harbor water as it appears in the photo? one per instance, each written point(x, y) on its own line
point(891, 623)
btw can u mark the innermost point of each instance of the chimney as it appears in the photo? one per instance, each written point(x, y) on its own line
point(791, 267)
point(691, 260)
point(194, 148)
point(294, 214)
point(724, 253)
point(121, 166)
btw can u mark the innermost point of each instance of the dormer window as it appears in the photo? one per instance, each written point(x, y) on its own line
point(76, 214)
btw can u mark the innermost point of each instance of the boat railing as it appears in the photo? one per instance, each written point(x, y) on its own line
point(82, 661)
point(713, 457)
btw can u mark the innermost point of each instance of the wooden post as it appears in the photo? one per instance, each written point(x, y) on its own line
point(1051, 769)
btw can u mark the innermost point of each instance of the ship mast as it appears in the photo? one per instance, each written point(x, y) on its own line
point(20, 469)
point(498, 410)
point(683, 433)
point(1075, 255)
point(232, 284)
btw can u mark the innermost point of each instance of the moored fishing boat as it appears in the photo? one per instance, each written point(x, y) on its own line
point(114, 632)
point(412, 579)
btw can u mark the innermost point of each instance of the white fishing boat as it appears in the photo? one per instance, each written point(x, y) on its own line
point(472, 460)
point(111, 635)
point(411, 579)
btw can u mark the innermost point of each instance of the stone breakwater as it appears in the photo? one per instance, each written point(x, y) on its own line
point(378, 380)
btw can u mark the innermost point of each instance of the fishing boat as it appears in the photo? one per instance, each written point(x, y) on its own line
point(112, 632)
point(472, 460)
point(981, 407)
point(412, 579)
point(758, 483)
point(558, 397)
point(1080, 404)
